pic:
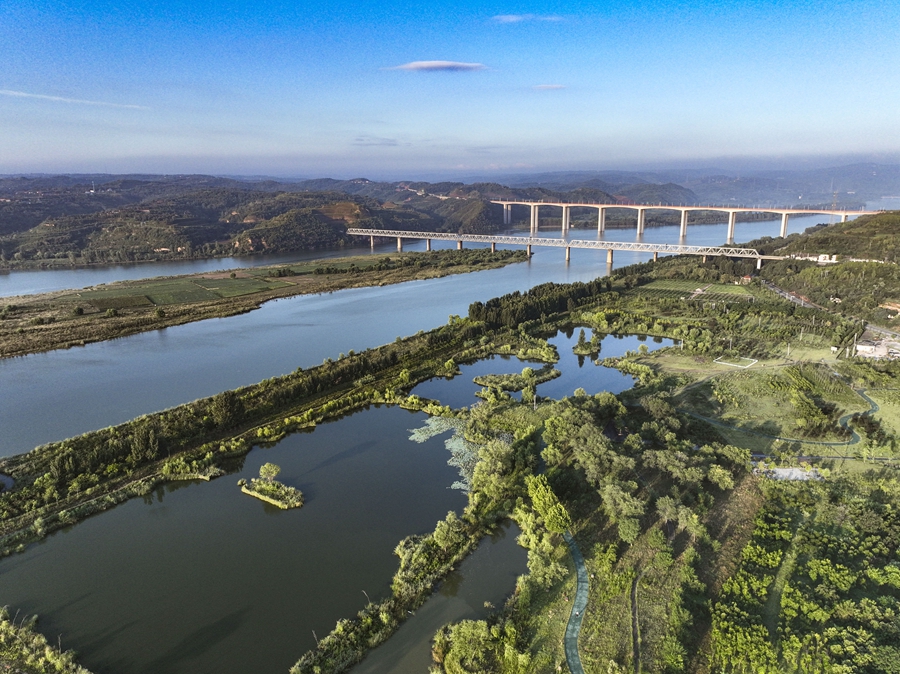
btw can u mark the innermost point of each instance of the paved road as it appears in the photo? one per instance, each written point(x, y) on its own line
point(573, 628)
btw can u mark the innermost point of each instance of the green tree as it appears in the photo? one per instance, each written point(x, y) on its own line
point(268, 471)
point(554, 513)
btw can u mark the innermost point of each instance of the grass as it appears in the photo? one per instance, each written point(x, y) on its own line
point(758, 401)
point(278, 494)
point(889, 412)
point(686, 289)
point(164, 292)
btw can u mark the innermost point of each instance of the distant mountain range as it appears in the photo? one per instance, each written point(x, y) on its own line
point(850, 185)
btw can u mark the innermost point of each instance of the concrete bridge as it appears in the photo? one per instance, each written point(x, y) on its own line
point(642, 209)
point(529, 241)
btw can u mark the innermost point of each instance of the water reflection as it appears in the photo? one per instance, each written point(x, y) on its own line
point(486, 578)
point(577, 371)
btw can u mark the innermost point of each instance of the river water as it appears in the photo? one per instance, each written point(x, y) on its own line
point(51, 396)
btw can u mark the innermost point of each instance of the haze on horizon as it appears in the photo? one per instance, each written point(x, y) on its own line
point(401, 89)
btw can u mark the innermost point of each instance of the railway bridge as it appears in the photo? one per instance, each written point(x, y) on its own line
point(642, 209)
point(568, 244)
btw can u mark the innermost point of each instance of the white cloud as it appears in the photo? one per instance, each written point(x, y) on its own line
point(456, 66)
point(77, 101)
point(519, 18)
point(548, 87)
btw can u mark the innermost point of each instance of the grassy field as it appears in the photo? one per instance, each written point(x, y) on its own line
point(760, 401)
point(698, 290)
point(164, 292)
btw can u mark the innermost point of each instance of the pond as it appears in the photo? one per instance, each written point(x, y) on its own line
point(576, 371)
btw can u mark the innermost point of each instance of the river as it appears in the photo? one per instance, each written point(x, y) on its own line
point(51, 396)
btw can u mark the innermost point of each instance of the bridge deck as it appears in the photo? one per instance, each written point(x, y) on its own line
point(683, 207)
point(667, 248)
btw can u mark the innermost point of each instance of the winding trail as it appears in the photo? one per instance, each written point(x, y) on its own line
point(573, 628)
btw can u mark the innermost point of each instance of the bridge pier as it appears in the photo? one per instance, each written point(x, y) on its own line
point(372, 242)
point(428, 245)
point(844, 218)
point(655, 255)
point(683, 232)
point(609, 256)
point(759, 263)
point(566, 214)
point(528, 250)
point(493, 246)
point(732, 219)
point(567, 253)
point(784, 225)
point(601, 220)
point(399, 245)
point(507, 214)
point(535, 217)
point(459, 245)
point(640, 221)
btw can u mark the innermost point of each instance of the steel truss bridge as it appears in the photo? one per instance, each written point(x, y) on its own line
point(529, 241)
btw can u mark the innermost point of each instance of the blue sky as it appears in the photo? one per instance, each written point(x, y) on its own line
point(397, 89)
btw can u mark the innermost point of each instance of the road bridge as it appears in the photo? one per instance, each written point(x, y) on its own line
point(568, 244)
point(642, 209)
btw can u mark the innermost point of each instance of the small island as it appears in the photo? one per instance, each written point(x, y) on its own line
point(268, 489)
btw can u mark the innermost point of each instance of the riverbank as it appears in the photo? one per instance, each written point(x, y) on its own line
point(23, 650)
point(58, 320)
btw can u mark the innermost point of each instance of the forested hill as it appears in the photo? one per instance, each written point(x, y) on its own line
point(870, 237)
point(204, 223)
point(82, 219)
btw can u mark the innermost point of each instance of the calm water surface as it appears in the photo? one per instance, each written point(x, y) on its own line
point(577, 371)
point(202, 578)
point(487, 575)
point(51, 396)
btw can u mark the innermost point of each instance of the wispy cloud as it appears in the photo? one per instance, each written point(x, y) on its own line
point(548, 87)
point(76, 101)
point(455, 66)
point(374, 141)
point(519, 18)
